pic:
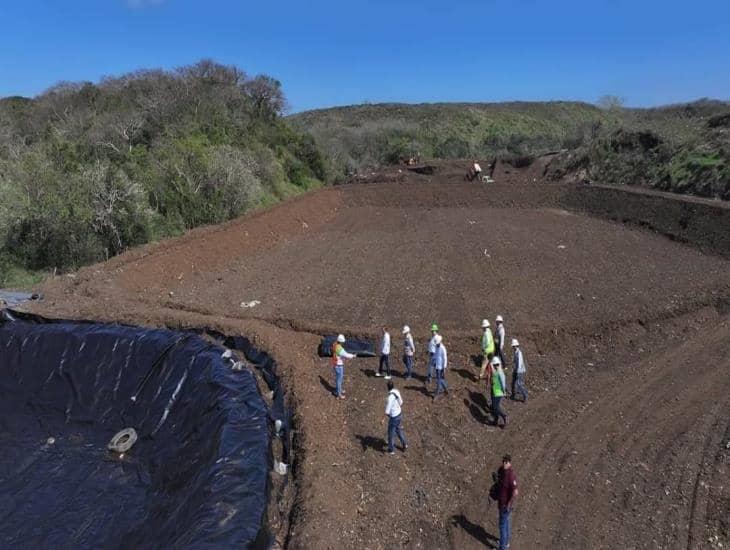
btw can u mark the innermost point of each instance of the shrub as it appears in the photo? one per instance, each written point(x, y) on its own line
point(87, 170)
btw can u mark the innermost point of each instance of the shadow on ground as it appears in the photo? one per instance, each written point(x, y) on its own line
point(475, 530)
point(326, 385)
point(419, 389)
point(370, 442)
point(478, 407)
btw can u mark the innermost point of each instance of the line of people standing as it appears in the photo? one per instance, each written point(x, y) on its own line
point(492, 371)
point(492, 368)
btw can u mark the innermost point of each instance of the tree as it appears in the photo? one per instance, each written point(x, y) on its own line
point(611, 102)
point(266, 95)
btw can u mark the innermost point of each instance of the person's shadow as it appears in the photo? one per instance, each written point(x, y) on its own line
point(478, 407)
point(326, 385)
point(467, 374)
point(476, 531)
point(419, 389)
point(375, 443)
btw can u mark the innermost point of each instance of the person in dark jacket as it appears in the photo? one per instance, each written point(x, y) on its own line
point(506, 494)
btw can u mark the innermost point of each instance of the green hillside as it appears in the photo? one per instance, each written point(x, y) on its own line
point(90, 169)
point(681, 148)
point(377, 134)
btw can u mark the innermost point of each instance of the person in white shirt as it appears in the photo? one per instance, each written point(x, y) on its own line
point(474, 172)
point(499, 335)
point(431, 351)
point(440, 363)
point(394, 414)
point(409, 351)
point(518, 374)
point(384, 355)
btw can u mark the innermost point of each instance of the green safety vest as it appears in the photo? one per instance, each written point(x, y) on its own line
point(497, 389)
point(488, 342)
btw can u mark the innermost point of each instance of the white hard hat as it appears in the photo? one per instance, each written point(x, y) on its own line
point(515, 343)
point(485, 323)
point(496, 361)
point(406, 329)
point(438, 339)
point(499, 319)
point(341, 338)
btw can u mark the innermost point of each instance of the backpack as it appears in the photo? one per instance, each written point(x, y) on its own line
point(494, 489)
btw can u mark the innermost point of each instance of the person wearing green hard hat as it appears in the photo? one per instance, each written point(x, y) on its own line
point(431, 351)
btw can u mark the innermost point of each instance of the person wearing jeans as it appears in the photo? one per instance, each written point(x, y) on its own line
point(440, 363)
point(431, 351)
point(394, 414)
point(499, 337)
point(499, 390)
point(507, 492)
point(409, 350)
point(505, 527)
point(339, 355)
point(518, 374)
point(339, 379)
point(384, 355)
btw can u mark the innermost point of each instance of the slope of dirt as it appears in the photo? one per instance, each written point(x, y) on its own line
point(624, 440)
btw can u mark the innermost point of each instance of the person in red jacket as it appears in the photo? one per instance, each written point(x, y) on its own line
point(507, 492)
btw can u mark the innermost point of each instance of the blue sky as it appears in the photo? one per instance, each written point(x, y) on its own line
point(338, 52)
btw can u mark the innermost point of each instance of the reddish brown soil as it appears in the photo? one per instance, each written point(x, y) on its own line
point(624, 442)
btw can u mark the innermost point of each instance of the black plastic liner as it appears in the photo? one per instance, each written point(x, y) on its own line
point(361, 348)
point(197, 477)
point(268, 369)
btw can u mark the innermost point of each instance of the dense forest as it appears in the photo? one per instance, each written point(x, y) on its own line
point(88, 170)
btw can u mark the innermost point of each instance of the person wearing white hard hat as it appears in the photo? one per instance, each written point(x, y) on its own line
point(499, 390)
point(338, 356)
point(440, 364)
point(487, 348)
point(499, 336)
point(409, 351)
point(393, 412)
point(518, 372)
point(431, 351)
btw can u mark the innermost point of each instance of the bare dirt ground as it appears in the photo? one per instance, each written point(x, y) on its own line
point(625, 441)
